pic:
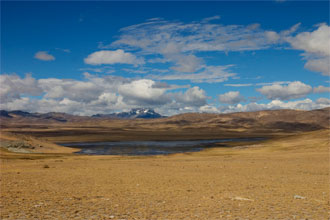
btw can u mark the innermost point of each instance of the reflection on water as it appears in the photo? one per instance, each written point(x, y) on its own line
point(149, 147)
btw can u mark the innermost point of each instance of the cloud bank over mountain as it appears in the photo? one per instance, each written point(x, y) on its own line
point(97, 95)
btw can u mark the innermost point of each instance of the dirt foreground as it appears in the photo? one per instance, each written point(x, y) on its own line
point(286, 178)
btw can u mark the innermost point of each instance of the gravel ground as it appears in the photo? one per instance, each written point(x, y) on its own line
point(256, 183)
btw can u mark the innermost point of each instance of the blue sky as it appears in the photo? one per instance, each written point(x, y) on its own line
point(101, 57)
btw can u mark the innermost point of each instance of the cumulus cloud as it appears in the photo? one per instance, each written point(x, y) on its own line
point(313, 42)
point(316, 47)
point(143, 92)
point(323, 101)
point(208, 109)
point(272, 36)
point(13, 87)
point(293, 90)
point(322, 89)
point(306, 104)
point(72, 89)
point(44, 55)
point(112, 57)
point(192, 100)
point(194, 96)
point(95, 94)
point(232, 97)
point(321, 65)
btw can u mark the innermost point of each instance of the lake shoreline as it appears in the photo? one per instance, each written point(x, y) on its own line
point(149, 148)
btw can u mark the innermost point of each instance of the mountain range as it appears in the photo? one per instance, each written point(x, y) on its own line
point(134, 113)
point(144, 113)
point(283, 120)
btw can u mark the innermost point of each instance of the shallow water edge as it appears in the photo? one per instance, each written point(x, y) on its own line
point(140, 148)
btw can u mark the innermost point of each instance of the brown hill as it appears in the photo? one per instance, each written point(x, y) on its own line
point(300, 119)
point(275, 119)
point(66, 128)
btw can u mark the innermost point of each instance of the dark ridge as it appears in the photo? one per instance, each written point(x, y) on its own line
point(22, 113)
point(295, 126)
point(4, 113)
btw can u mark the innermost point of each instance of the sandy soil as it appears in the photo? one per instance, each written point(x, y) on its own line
point(286, 178)
point(8, 140)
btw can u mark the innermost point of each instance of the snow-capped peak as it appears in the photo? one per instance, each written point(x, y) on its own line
point(134, 113)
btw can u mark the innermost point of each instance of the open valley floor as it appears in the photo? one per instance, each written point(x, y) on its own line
point(281, 178)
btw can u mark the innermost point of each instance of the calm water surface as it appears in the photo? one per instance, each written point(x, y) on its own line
point(149, 147)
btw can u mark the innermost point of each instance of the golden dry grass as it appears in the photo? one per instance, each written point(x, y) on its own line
point(284, 178)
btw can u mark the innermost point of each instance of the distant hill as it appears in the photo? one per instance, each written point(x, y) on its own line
point(134, 113)
point(259, 121)
point(284, 119)
point(22, 116)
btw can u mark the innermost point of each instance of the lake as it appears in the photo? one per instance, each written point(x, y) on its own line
point(133, 148)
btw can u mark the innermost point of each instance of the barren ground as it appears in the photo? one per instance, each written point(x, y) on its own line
point(284, 178)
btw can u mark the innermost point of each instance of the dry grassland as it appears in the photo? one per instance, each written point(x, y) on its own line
point(283, 178)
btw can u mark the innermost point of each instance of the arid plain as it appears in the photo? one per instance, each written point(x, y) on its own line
point(283, 177)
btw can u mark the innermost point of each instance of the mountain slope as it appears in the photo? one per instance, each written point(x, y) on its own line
point(134, 113)
point(242, 122)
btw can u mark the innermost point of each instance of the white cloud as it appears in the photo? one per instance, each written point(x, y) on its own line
point(106, 94)
point(112, 57)
point(208, 109)
point(321, 65)
point(207, 20)
point(322, 89)
point(293, 90)
point(136, 71)
point(158, 60)
point(232, 97)
point(143, 92)
point(96, 94)
point(44, 55)
point(272, 36)
point(186, 64)
point(316, 42)
point(306, 104)
point(71, 89)
point(13, 87)
point(258, 84)
point(323, 101)
point(178, 42)
point(95, 70)
point(168, 37)
point(194, 96)
point(209, 74)
point(273, 83)
point(316, 47)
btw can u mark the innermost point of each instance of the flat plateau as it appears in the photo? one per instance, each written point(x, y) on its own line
point(281, 178)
